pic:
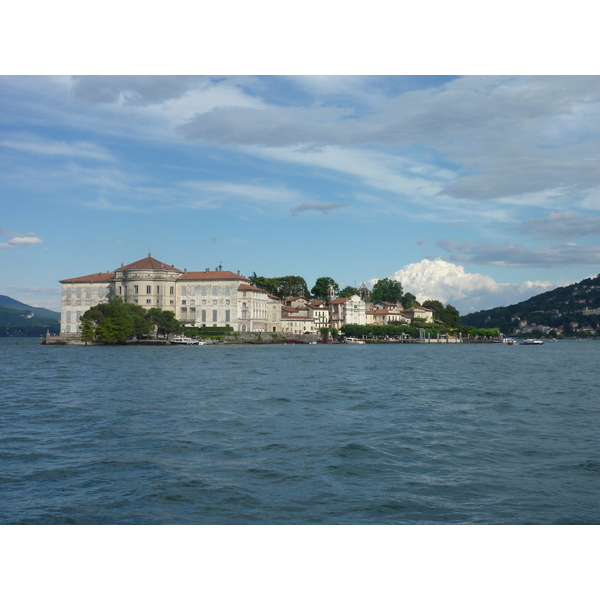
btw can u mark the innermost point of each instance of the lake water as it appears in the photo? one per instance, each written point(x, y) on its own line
point(299, 434)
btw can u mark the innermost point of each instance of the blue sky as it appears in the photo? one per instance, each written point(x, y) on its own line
point(478, 190)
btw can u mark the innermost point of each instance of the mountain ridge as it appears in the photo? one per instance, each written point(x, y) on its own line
point(566, 309)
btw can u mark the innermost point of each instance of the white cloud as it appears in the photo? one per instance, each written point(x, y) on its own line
point(75, 149)
point(468, 292)
point(29, 239)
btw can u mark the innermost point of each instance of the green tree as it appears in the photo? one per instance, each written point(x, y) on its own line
point(164, 321)
point(88, 331)
point(347, 292)
point(409, 300)
point(321, 288)
point(386, 290)
point(283, 287)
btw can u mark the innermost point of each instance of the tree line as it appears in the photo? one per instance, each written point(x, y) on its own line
point(384, 290)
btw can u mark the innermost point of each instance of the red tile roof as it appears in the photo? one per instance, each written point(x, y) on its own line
point(289, 309)
point(149, 263)
point(339, 301)
point(211, 276)
point(249, 288)
point(96, 278)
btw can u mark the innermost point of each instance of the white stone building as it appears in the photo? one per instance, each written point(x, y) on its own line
point(346, 311)
point(201, 298)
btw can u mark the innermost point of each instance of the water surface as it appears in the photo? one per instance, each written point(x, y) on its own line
point(373, 434)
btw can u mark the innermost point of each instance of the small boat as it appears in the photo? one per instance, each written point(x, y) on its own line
point(182, 340)
point(509, 341)
point(532, 342)
point(351, 340)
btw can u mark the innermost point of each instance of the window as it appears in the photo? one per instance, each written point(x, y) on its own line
point(149, 301)
point(204, 290)
point(68, 329)
point(171, 290)
point(227, 302)
point(135, 289)
point(88, 293)
point(69, 294)
point(203, 315)
point(192, 290)
point(135, 301)
point(228, 315)
point(158, 289)
point(203, 302)
point(79, 292)
point(227, 290)
point(214, 315)
point(215, 302)
point(171, 302)
point(184, 313)
point(148, 289)
point(192, 302)
point(120, 291)
point(193, 310)
point(244, 315)
point(68, 316)
point(184, 290)
point(243, 328)
point(215, 292)
point(183, 302)
point(77, 316)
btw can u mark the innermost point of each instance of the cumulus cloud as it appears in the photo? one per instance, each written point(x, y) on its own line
point(511, 254)
point(28, 239)
point(559, 225)
point(322, 207)
point(450, 283)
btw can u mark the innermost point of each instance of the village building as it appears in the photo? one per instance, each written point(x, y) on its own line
point(347, 311)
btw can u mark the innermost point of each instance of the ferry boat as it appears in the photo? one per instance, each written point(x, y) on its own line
point(182, 340)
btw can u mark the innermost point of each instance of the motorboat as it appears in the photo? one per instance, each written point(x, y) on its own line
point(351, 340)
point(182, 340)
point(532, 342)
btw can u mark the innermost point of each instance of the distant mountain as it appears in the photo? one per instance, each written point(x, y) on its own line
point(21, 320)
point(570, 307)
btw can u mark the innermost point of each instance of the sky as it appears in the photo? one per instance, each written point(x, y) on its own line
point(409, 144)
point(478, 191)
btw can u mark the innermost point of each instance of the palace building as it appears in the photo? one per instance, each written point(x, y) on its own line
point(201, 298)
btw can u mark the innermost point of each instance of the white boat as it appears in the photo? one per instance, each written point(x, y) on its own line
point(182, 340)
point(532, 342)
point(351, 340)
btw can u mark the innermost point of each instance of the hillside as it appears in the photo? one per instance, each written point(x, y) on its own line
point(21, 320)
point(571, 309)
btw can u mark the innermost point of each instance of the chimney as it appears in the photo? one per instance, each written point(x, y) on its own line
point(238, 271)
point(185, 270)
point(122, 265)
point(208, 270)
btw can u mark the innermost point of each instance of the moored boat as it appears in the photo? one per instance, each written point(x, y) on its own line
point(182, 340)
point(351, 340)
point(532, 342)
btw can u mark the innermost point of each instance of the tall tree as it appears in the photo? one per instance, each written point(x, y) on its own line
point(321, 288)
point(348, 291)
point(386, 290)
point(409, 300)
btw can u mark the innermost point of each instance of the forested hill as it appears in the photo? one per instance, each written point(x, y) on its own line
point(21, 320)
point(557, 308)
